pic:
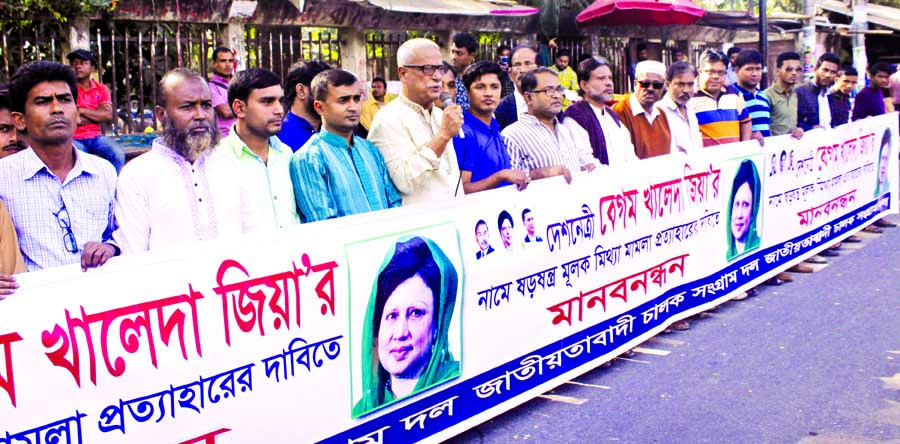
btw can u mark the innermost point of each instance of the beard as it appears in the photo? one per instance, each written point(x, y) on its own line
point(189, 144)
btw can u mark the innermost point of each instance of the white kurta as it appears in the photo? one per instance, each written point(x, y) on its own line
point(163, 200)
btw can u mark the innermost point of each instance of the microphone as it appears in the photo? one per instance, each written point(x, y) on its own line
point(447, 101)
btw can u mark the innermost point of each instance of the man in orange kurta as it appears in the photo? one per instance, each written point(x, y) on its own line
point(648, 126)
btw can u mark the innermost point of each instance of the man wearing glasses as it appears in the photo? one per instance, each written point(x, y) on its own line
point(522, 61)
point(538, 143)
point(60, 199)
point(782, 96)
point(721, 112)
point(648, 126)
point(414, 136)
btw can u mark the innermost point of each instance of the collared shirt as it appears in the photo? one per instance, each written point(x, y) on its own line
point(533, 145)
point(720, 118)
point(371, 107)
point(521, 105)
point(483, 151)
point(619, 148)
point(271, 178)
point(685, 130)
point(401, 131)
point(824, 108)
point(11, 260)
point(462, 96)
point(91, 98)
point(758, 106)
point(35, 196)
point(295, 131)
point(568, 80)
point(333, 179)
point(164, 200)
point(218, 88)
point(507, 86)
point(782, 109)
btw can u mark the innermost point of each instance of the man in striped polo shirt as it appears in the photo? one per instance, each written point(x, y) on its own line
point(721, 111)
point(748, 66)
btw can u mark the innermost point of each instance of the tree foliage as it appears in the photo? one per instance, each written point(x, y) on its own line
point(60, 10)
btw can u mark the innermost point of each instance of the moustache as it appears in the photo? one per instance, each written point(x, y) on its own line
point(14, 146)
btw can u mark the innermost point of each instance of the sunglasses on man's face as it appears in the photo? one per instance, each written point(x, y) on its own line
point(646, 84)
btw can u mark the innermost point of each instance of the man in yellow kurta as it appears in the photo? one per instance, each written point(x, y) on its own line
point(567, 77)
point(378, 97)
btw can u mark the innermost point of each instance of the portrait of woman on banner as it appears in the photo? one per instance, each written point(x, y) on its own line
point(743, 210)
point(883, 162)
point(405, 345)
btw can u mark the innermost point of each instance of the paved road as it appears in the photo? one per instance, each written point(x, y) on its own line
point(816, 361)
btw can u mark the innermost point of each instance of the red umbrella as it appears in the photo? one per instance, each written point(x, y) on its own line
point(639, 12)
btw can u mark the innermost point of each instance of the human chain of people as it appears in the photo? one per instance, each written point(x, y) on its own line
point(353, 266)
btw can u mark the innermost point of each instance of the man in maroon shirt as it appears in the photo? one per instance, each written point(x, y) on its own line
point(94, 108)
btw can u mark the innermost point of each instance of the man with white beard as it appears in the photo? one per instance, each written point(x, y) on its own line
point(183, 190)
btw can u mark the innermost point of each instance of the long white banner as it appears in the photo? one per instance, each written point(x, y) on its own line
point(416, 323)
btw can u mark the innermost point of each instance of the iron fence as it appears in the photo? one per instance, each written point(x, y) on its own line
point(278, 47)
point(26, 41)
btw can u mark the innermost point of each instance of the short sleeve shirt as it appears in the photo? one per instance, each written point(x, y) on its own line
point(483, 151)
point(92, 98)
point(218, 87)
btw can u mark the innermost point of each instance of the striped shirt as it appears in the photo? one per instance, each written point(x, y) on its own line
point(35, 197)
point(720, 119)
point(333, 179)
point(532, 145)
point(758, 106)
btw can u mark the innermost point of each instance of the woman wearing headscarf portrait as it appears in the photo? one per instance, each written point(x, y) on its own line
point(883, 162)
point(742, 211)
point(405, 346)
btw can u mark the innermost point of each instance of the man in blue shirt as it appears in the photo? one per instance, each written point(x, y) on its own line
point(748, 67)
point(482, 155)
point(301, 120)
point(338, 173)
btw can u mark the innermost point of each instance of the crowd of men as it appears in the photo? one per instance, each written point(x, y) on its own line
point(251, 151)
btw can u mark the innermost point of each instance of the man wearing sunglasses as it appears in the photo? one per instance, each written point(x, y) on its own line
point(782, 96)
point(60, 199)
point(648, 126)
point(414, 136)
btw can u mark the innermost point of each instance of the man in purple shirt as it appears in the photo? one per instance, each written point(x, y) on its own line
point(870, 100)
point(223, 70)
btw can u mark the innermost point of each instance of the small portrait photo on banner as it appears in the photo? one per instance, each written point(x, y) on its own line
point(742, 233)
point(405, 309)
point(883, 162)
point(483, 240)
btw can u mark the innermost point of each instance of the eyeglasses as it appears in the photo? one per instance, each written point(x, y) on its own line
point(523, 65)
point(429, 70)
point(62, 217)
point(556, 91)
point(646, 84)
point(715, 72)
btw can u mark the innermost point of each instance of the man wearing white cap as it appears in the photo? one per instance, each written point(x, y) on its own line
point(648, 125)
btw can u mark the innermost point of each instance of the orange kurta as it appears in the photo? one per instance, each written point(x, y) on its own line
point(649, 140)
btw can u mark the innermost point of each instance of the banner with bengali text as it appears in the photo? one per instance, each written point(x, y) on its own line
point(417, 323)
